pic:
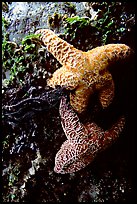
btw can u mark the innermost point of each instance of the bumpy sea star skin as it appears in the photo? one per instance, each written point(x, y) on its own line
point(83, 142)
point(83, 72)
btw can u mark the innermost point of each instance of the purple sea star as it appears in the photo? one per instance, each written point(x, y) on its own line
point(83, 142)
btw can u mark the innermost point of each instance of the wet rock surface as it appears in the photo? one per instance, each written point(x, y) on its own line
point(26, 17)
point(31, 143)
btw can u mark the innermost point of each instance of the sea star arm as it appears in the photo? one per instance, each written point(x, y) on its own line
point(106, 94)
point(71, 125)
point(102, 139)
point(64, 77)
point(111, 135)
point(65, 53)
point(83, 142)
point(75, 155)
point(102, 56)
point(91, 68)
point(93, 128)
point(80, 97)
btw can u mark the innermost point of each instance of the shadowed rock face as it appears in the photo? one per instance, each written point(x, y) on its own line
point(23, 19)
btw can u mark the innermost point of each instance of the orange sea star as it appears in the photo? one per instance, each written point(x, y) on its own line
point(83, 72)
point(83, 141)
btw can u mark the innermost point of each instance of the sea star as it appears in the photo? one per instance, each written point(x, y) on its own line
point(83, 142)
point(83, 72)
